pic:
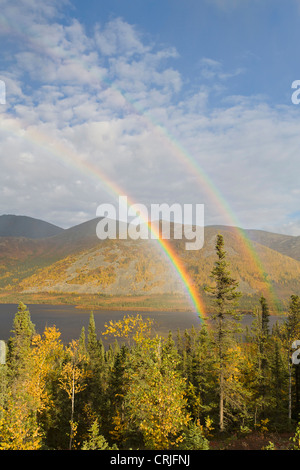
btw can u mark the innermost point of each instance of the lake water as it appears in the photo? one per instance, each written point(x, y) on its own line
point(69, 320)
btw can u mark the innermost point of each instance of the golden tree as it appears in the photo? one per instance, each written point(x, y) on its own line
point(28, 396)
point(154, 401)
point(73, 380)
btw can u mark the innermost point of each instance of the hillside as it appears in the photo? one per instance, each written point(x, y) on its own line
point(28, 227)
point(75, 265)
point(285, 244)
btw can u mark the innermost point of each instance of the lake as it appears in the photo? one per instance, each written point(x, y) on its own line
point(69, 320)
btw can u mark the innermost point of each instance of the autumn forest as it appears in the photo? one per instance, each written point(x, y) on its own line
point(202, 389)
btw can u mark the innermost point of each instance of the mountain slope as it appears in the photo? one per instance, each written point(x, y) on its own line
point(75, 261)
point(285, 244)
point(23, 226)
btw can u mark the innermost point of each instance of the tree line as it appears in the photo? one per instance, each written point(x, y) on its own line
point(146, 391)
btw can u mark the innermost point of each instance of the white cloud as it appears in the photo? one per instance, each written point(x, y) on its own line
point(119, 38)
point(18, 17)
point(114, 102)
point(211, 69)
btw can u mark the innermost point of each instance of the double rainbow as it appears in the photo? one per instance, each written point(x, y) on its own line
point(71, 157)
point(67, 155)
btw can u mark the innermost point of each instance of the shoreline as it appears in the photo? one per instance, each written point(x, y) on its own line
point(94, 302)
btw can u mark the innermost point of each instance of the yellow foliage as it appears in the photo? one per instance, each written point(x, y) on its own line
point(207, 428)
point(28, 396)
point(262, 426)
point(18, 428)
point(72, 375)
point(130, 325)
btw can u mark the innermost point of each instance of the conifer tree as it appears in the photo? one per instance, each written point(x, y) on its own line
point(263, 350)
point(202, 381)
point(92, 343)
point(265, 317)
point(96, 441)
point(225, 296)
point(19, 344)
point(115, 396)
point(292, 333)
point(260, 380)
point(82, 342)
point(278, 377)
point(97, 383)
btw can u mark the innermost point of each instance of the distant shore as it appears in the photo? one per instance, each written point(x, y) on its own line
point(150, 303)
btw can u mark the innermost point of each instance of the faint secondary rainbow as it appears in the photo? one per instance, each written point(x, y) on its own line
point(60, 150)
point(191, 165)
point(181, 154)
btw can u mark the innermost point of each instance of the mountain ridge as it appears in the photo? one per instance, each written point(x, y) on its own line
point(27, 227)
point(75, 262)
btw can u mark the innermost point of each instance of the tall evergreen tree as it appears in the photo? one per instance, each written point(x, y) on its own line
point(97, 383)
point(264, 348)
point(261, 360)
point(82, 345)
point(19, 344)
point(265, 316)
point(225, 296)
point(95, 348)
point(115, 396)
point(293, 318)
point(202, 378)
point(92, 343)
point(278, 378)
point(292, 333)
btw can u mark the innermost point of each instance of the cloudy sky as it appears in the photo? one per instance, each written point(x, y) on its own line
point(160, 100)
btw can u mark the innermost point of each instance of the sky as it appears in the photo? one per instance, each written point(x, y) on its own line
point(163, 101)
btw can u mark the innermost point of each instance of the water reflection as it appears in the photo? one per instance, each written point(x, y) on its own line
point(69, 320)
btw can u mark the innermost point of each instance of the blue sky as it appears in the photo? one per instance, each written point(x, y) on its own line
point(146, 91)
point(258, 37)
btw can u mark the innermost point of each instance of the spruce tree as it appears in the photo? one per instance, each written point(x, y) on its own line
point(82, 345)
point(293, 318)
point(19, 344)
point(202, 381)
point(265, 316)
point(264, 349)
point(292, 333)
point(92, 343)
point(225, 296)
point(278, 378)
point(95, 352)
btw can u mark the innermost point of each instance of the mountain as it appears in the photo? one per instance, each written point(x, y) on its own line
point(23, 226)
point(74, 265)
point(286, 244)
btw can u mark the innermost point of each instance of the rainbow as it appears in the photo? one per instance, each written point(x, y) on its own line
point(69, 156)
point(192, 166)
point(66, 154)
